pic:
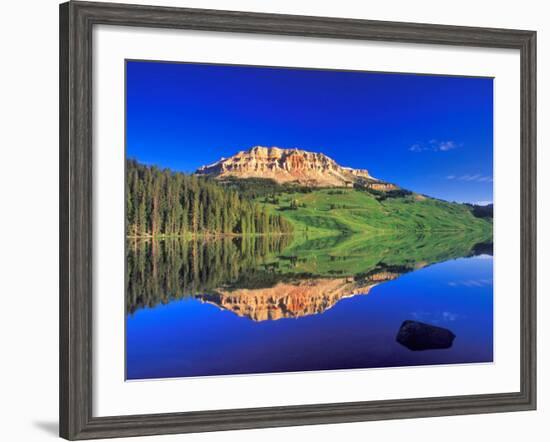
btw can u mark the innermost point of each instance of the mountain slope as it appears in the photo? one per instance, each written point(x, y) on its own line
point(326, 212)
point(290, 166)
point(322, 198)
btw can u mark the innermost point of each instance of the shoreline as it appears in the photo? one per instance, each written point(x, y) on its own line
point(209, 235)
point(371, 233)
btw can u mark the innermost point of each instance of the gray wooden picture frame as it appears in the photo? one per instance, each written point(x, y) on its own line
point(77, 20)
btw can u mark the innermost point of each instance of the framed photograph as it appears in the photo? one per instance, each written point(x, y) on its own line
point(272, 220)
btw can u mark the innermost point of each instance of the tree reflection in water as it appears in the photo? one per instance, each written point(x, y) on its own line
point(272, 277)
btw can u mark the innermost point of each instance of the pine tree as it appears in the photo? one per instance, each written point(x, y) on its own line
point(165, 203)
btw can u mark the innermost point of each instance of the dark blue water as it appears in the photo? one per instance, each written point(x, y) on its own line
point(192, 338)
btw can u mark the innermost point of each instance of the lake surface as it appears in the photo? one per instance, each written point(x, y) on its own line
point(274, 304)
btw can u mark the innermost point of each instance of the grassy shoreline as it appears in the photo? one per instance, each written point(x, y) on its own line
point(318, 214)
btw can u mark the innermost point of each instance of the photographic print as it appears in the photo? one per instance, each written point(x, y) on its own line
point(291, 219)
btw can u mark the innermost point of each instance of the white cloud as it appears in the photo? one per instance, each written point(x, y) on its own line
point(486, 179)
point(434, 146)
point(444, 146)
point(478, 178)
point(416, 148)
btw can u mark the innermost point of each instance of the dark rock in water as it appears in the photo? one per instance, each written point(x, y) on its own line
point(419, 336)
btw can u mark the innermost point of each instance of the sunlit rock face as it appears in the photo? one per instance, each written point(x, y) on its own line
point(293, 299)
point(287, 166)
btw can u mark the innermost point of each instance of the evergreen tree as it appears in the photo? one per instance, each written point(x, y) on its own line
point(174, 204)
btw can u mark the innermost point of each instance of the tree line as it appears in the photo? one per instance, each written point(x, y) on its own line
point(165, 203)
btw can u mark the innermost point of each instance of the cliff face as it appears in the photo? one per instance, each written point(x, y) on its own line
point(287, 166)
point(293, 299)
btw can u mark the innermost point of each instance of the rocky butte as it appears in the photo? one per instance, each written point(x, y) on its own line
point(291, 166)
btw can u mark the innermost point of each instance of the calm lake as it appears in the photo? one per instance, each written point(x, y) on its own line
point(278, 304)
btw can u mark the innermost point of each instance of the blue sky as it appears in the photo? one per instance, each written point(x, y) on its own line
point(431, 134)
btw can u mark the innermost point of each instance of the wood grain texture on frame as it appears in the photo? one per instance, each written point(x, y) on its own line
point(76, 244)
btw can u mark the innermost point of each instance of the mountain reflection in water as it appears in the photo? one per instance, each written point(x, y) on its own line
point(291, 299)
point(283, 304)
point(271, 277)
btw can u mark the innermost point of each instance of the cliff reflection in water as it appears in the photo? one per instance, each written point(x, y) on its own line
point(291, 299)
point(272, 277)
point(159, 271)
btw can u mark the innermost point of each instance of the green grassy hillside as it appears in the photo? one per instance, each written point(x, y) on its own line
point(329, 212)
